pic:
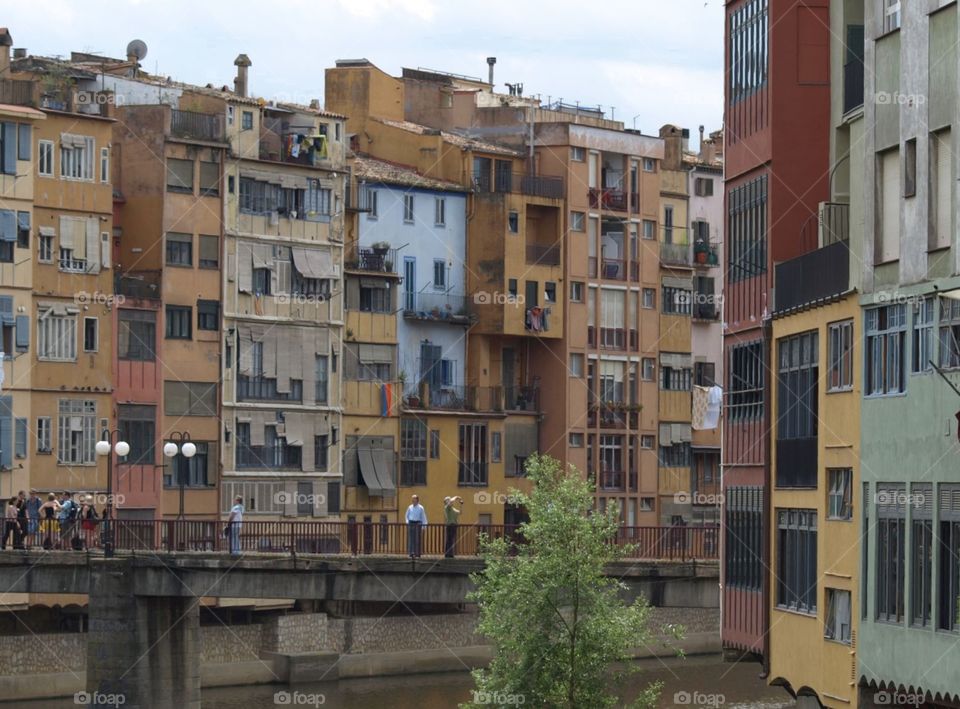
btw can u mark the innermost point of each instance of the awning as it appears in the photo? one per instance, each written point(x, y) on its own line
point(381, 459)
point(672, 282)
point(47, 231)
point(675, 360)
point(294, 182)
point(313, 263)
point(373, 283)
point(368, 469)
point(375, 353)
point(261, 176)
point(293, 429)
point(69, 140)
point(262, 256)
point(681, 433)
point(666, 435)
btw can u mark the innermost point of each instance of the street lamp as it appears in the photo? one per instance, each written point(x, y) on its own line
point(187, 448)
point(109, 444)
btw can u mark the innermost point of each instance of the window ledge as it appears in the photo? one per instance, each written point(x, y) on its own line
point(840, 390)
point(844, 643)
point(794, 611)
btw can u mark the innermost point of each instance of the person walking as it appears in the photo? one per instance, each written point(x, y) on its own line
point(9, 523)
point(34, 503)
point(234, 522)
point(416, 519)
point(451, 516)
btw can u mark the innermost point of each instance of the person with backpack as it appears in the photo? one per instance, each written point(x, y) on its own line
point(88, 520)
point(68, 519)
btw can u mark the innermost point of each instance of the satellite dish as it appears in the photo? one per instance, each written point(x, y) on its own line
point(137, 48)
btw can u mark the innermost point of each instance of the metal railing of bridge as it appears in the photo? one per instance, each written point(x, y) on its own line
point(677, 543)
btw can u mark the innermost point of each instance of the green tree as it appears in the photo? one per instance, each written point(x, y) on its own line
point(559, 628)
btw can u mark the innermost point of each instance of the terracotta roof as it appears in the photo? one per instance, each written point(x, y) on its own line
point(457, 139)
point(373, 170)
point(694, 159)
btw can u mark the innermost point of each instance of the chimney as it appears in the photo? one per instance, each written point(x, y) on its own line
point(19, 52)
point(315, 104)
point(242, 62)
point(6, 41)
point(701, 137)
point(490, 62)
point(684, 141)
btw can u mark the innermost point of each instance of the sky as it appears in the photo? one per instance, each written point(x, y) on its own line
point(652, 61)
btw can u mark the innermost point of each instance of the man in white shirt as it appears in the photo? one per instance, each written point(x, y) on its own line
point(416, 519)
point(234, 522)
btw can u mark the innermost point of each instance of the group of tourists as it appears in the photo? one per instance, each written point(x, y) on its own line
point(416, 519)
point(58, 522)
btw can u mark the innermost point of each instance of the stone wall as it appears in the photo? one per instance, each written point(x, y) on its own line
point(39, 654)
point(362, 635)
point(230, 643)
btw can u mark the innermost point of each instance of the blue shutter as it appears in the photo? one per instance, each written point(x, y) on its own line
point(6, 432)
point(23, 333)
point(6, 310)
point(8, 225)
point(8, 141)
point(20, 433)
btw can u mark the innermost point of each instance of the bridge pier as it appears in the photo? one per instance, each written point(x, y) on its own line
point(144, 648)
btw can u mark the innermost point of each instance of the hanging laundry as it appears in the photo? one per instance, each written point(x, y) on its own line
point(386, 399)
point(699, 411)
point(258, 304)
point(714, 404)
point(535, 319)
point(295, 147)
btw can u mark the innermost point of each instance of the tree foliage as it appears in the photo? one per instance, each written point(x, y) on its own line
point(557, 623)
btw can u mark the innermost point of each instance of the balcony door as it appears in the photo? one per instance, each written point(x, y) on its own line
point(409, 283)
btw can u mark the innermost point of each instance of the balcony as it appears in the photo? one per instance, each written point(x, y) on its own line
point(281, 143)
point(273, 457)
point(706, 254)
point(194, 125)
point(456, 398)
point(17, 92)
point(521, 399)
point(357, 199)
point(608, 198)
point(676, 254)
point(516, 182)
point(439, 307)
point(797, 462)
point(264, 389)
point(543, 255)
point(144, 285)
point(372, 261)
point(610, 414)
point(852, 85)
point(612, 480)
point(612, 269)
point(812, 277)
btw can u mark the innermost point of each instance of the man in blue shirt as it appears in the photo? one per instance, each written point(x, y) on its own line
point(68, 518)
point(416, 519)
point(234, 523)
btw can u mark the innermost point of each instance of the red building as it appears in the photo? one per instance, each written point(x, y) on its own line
point(776, 122)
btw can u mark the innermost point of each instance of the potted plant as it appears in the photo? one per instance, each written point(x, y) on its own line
point(380, 248)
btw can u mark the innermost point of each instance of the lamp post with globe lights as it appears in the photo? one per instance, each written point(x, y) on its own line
point(179, 443)
point(109, 444)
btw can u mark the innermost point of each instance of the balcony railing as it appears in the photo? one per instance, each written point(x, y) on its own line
point(457, 398)
point(17, 92)
point(521, 398)
point(676, 254)
point(852, 85)
point(138, 284)
point(706, 253)
point(357, 199)
point(373, 260)
point(274, 457)
point(607, 198)
point(613, 338)
point(812, 277)
point(613, 269)
point(264, 389)
point(444, 307)
point(543, 255)
point(612, 480)
point(196, 125)
point(532, 185)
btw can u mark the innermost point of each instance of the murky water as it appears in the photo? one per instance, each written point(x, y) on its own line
point(691, 682)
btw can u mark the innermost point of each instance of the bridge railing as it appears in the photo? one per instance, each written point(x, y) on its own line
point(677, 543)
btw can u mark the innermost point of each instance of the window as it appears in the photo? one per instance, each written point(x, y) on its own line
point(76, 425)
point(578, 221)
point(371, 202)
point(262, 281)
point(677, 301)
point(647, 504)
point(668, 224)
point(704, 300)
point(576, 291)
point(19, 437)
point(435, 444)
point(8, 234)
point(649, 229)
point(192, 472)
point(209, 251)
point(576, 364)
point(549, 292)
point(209, 179)
point(91, 334)
point(840, 356)
point(76, 157)
point(495, 446)
point(513, 222)
point(910, 168)
point(797, 560)
point(512, 287)
point(136, 335)
point(408, 208)
point(673, 378)
point(941, 189)
point(323, 379)
point(840, 493)
point(472, 454)
point(44, 434)
point(413, 452)
point(747, 230)
point(891, 531)
point(439, 274)
point(885, 334)
point(439, 211)
point(179, 175)
point(921, 554)
point(745, 385)
point(744, 537)
point(317, 202)
point(189, 398)
point(368, 362)
point(837, 623)
point(797, 405)
point(576, 440)
point(949, 333)
point(45, 248)
point(208, 315)
point(179, 249)
point(649, 165)
point(105, 165)
point(888, 248)
point(949, 569)
point(649, 298)
point(23, 230)
point(56, 336)
point(231, 115)
point(45, 158)
point(704, 374)
point(179, 322)
point(891, 15)
point(676, 455)
point(747, 40)
point(648, 369)
point(374, 298)
point(647, 442)
point(578, 153)
point(246, 120)
point(137, 424)
point(703, 187)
